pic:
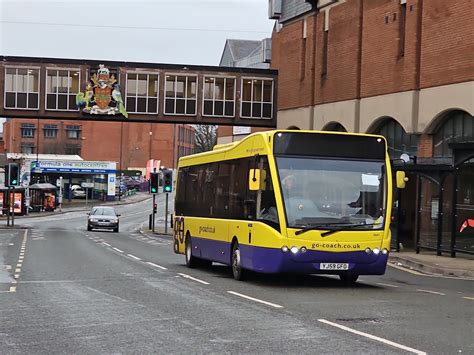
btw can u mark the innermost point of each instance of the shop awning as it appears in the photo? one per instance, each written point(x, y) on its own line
point(43, 186)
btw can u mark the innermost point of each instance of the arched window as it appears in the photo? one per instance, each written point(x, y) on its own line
point(398, 140)
point(334, 127)
point(457, 126)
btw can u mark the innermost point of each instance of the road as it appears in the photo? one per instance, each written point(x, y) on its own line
point(66, 290)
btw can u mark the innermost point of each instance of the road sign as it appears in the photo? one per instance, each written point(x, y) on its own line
point(87, 184)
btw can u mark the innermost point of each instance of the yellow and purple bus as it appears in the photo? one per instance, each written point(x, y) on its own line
point(288, 201)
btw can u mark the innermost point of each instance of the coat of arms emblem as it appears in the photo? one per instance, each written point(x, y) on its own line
point(102, 95)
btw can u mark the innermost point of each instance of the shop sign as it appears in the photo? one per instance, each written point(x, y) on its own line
point(91, 167)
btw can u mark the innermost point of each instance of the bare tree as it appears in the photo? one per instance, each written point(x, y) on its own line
point(206, 138)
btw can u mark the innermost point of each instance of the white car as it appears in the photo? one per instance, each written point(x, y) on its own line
point(78, 192)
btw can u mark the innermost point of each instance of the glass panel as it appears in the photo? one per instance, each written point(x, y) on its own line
point(152, 105)
point(72, 102)
point(180, 106)
point(142, 85)
point(208, 107)
point(465, 208)
point(130, 105)
point(169, 86)
point(247, 90)
point(51, 101)
point(448, 192)
point(208, 88)
point(9, 80)
point(218, 108)
point(229, 89)
point(169, 106)
point(468, 127)
point(10, 100)
point(21, 100)
point(267, 91)
point(457, 127)
point(21, 81)
point(191, 107)
point(35, 85)
point(75, 83)
point(62, 102)
point(257, 90)
point(267, 110)
point(448, 135)
point(63, 82)
point(33, 101)
point(256, 110)
point(245, 109)
point(132, 85)
point(141, 104)
point(429, 213)
point(191, 89)
point(229, 109)
point(219, 90)
point(180, 86)
point(153, 85)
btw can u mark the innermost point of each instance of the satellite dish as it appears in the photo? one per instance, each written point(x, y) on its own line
point(405, 157)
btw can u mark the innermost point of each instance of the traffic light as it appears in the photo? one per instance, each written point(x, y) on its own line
point(155, 208)
point(154, 181)
point(167, 180)
point(12, 175)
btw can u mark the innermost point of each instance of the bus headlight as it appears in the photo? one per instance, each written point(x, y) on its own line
point(384, 251)
point(367, 250)
point(284, 249)
point(303, 249)
point(294, 250)
point(376, 251)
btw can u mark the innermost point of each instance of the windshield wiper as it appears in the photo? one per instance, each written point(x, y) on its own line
point(333, 227)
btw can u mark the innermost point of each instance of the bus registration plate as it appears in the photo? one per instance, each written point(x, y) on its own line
point(334, 266)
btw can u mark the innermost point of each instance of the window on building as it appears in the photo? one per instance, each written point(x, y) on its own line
point(28, 149)
point(73, 149)
point(50, 131)
point(27, 130)
point(73, 132)
point(180, 95)
point(402, 29)
point(21, 88)
point(458, 126)
point(257, 98)
point(62, 87)
point(142, 93)
point(219, 97)
point(398, 140)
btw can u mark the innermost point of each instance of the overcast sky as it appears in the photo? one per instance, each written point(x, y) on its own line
point(156, 31)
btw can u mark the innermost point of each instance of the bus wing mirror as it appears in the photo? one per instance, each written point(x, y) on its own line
point(401, 179)
point(254, 179)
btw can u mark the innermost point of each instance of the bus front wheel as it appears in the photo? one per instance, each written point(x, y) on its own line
point(191, 261)
point(349, 279)
point(237, 271)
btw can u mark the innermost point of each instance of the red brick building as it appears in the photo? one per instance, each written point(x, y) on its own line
point(400, 68)
point(128, 144)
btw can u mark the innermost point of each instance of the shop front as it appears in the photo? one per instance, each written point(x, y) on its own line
point(76, 179)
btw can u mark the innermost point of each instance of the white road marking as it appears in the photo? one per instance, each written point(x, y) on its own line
point(17, 270)
point(384, 284)
point(255, 299)
point(117, 249)
point(194, 279)
point(373, 337)
point(134, 257)
point(158, 266)
point(8, 267)
point(106, 244)
point(13, 289)
point(469, 298)
point(16, 276)
point(432, 292)
point(19, 265)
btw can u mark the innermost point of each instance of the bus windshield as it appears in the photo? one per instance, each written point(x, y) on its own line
point(333, 191)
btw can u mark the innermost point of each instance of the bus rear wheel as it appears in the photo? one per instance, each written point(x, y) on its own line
point(349, 279)
point(237, 271)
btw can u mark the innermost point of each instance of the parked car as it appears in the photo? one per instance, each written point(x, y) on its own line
point(78, 192)
point(103, 217)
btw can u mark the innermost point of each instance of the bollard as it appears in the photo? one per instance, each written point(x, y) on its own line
point(150, 218)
